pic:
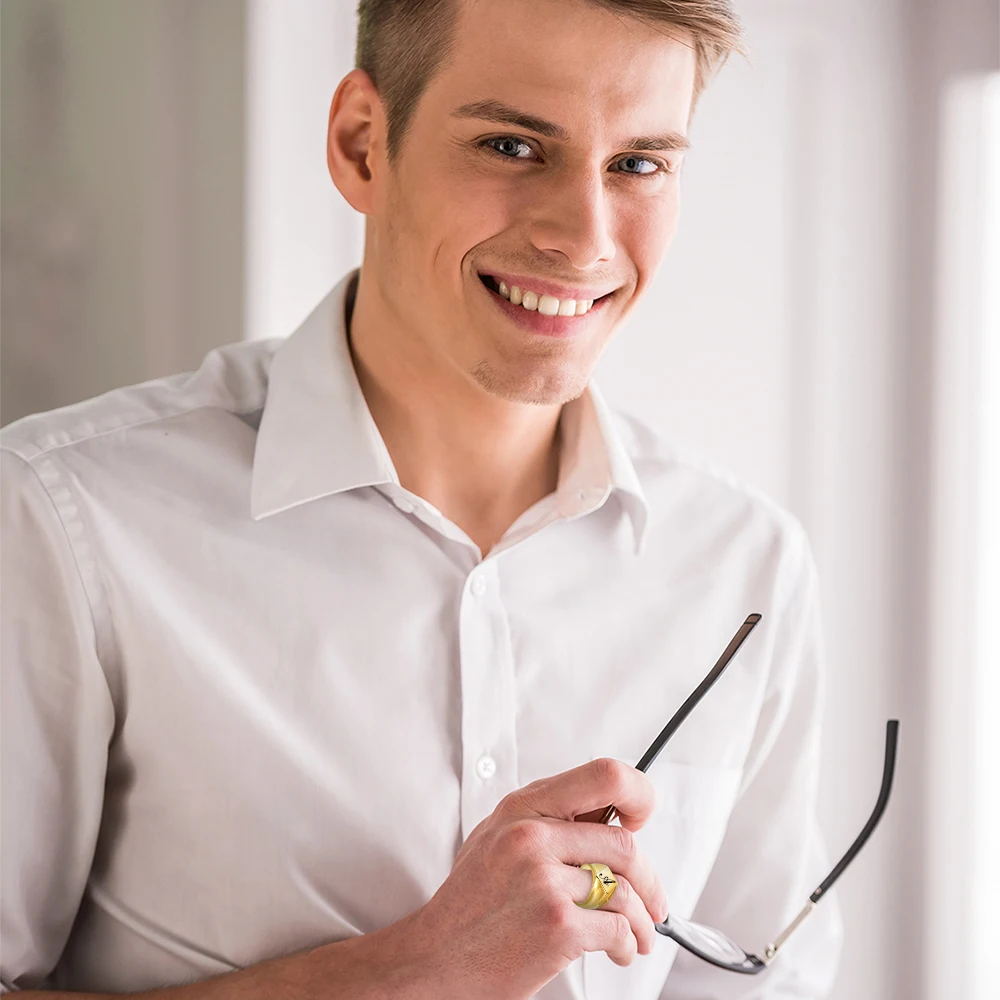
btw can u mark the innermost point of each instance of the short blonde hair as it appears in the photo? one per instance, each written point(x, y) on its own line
point(401, 44)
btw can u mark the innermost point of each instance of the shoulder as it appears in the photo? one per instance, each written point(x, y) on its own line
point(230, 384)
point(711, 503)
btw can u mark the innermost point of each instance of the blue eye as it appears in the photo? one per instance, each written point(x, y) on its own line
point(632, 162)
point(509, 147)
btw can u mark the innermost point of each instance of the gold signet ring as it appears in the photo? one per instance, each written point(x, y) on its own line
point(601, 889)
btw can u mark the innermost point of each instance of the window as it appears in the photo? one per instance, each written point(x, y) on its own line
point(985, 865)
point(963, 817)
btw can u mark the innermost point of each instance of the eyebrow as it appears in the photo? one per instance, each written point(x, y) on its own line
point(504, 114)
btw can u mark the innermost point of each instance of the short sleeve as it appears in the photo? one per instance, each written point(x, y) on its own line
point(56, 721)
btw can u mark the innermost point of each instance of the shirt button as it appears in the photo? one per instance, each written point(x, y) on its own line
point(478, 586)
point(486, 767)
point(404, 505)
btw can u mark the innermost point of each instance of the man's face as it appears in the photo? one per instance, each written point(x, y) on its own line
point(584, 212)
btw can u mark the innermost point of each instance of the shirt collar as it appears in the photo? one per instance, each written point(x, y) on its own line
point(594, 455)
point(317, 436)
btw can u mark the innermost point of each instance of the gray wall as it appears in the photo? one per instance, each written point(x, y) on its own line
point(122, 162)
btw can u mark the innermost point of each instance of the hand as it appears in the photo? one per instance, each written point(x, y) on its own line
point(505, 921)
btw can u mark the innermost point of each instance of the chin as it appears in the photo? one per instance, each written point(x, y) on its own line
point(541, 386)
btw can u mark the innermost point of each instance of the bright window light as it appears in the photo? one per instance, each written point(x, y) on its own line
point(985, 915)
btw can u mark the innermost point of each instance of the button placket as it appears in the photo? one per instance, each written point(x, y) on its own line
point(489, 753)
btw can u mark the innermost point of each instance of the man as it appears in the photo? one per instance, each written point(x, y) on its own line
point(318, 662)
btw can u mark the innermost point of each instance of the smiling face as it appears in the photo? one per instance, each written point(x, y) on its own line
point(541, 168)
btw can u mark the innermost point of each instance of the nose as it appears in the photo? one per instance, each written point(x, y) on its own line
point(573, 220)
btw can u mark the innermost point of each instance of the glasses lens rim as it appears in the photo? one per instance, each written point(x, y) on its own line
point(687, 934)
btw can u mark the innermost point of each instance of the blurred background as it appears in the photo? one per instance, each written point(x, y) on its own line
point(826, 325)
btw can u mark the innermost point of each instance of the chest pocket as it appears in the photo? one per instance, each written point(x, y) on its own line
point(681, 839)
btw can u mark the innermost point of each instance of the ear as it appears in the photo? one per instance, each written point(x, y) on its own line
point(355, 139)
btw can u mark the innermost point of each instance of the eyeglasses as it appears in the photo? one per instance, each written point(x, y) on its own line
point(706, 942)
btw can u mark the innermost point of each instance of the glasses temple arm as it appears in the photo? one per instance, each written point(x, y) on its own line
point(692, 700)
point(891, 739)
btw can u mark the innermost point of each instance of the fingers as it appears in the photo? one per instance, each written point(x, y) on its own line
point(580, 843)
point(585, 789)
point(625, 901)
point(609, 931)
point(536, 825)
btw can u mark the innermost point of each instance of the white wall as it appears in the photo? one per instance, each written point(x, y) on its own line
point(767, 341)
point(963, 586)
point(300, 233)
point(790, 336)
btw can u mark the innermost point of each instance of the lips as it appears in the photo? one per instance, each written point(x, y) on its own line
point(541, 312)
point(568, 289)
point(547, 305)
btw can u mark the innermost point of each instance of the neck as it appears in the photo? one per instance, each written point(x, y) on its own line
point(480, 459)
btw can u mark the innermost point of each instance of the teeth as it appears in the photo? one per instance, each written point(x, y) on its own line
point(547, 305)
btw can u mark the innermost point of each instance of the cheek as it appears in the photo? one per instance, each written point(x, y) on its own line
point(647, 227)
point(481, 206)
point(453, 207)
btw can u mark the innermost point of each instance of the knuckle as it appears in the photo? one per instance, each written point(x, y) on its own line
point(624, 842)
point(555, 915)
point(624, 893)
point(610, 770)
point(546, 879)
point(523, 837)
point(622, 929)
point(558, 924)
point(510, 804)
point(602, 767)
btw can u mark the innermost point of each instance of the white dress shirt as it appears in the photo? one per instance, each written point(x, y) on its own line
point(256, 693)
